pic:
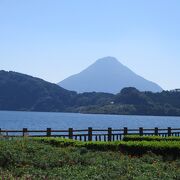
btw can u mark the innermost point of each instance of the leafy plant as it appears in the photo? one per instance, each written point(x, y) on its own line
point(37, 159)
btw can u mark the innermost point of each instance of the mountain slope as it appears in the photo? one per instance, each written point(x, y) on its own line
point(26, 93)
point(23, 92)
point(107, 75)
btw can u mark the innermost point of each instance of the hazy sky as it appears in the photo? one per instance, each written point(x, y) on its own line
point(53, 39)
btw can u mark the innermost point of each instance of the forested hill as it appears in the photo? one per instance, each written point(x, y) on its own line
point(130, 101)
point(23, 92)
point(26, 93)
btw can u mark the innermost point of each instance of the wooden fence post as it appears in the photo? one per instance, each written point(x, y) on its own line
point(25, 130)
point(48, 132)
point(90, 134)
point(169, 131)
point(141, 131)
point(70, 133)
point(125, 130)
point(156, 131)
point(109, 134)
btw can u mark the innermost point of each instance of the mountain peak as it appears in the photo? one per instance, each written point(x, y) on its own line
point(107, 74)
point(107, 59)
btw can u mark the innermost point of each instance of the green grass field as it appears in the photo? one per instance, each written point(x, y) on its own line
point(30, 159)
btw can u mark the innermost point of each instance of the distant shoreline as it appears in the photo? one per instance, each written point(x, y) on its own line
point(65, 112)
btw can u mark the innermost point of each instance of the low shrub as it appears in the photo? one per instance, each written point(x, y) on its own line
point(150, 138)
point(40, 158)
point(165, 148)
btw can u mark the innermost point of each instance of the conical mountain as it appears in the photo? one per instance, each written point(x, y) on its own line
point(107, 75)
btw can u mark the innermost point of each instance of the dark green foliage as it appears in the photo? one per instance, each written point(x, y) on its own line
point(93, 98)
point(130, 101)
point(166, 148)
point(131, 96)
point(23, 92)
point(148, 103)
point(27, 159)
point(150, 138)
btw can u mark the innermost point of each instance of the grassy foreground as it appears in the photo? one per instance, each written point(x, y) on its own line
point(29, 159)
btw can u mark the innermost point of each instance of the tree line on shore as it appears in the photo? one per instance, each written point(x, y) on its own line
point(25, 93)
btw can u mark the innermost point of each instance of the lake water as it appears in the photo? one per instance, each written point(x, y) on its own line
point(41, 121)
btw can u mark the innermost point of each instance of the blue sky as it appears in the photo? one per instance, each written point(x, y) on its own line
point(53, 39)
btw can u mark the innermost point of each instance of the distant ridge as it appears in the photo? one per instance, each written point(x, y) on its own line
point(21, 92)
point(107, 75)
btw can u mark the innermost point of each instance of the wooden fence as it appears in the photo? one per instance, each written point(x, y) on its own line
point(91, 134)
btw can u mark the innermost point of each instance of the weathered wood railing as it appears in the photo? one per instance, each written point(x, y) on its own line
point(91, 134)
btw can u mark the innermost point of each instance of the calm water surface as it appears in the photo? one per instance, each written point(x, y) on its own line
point(41, 120)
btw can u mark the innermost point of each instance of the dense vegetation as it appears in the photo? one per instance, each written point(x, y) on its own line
point(150, 138)
point(29, 159)
point(130, 101)
point(168, 148)
point(22, 92)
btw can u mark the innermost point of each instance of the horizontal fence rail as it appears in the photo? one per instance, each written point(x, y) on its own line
point(90, 134)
